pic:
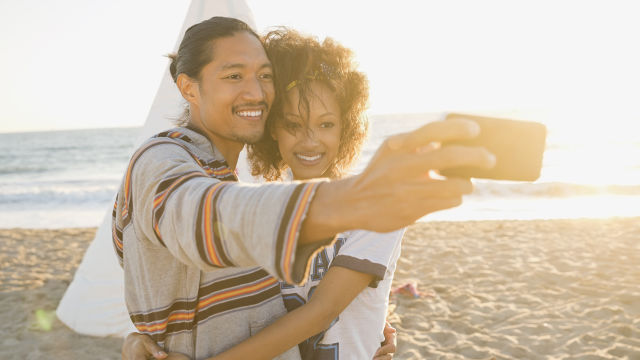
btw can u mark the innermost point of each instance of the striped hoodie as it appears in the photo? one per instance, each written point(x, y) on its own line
point(202, 254)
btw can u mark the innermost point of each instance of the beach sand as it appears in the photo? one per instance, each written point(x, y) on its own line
point(552, 289)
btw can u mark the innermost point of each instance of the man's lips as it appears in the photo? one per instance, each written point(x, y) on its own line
point(250, 113)
point(255, 111)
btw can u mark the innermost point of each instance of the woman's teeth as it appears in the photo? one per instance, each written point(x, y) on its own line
point(250, 113)
point(309, 158)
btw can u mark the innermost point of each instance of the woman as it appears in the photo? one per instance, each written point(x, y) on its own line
point(316, 129)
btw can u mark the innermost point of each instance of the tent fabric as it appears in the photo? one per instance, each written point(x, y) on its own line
point(93, 304)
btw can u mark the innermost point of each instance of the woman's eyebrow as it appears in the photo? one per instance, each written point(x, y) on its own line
point(328, 113)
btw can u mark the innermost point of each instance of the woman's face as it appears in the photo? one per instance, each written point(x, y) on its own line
point(309, 146)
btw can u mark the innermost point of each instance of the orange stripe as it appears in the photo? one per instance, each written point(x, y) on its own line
point(159, 199)
point(163, 195)
point(293, 231)
point(127, 182)
point(126, 185)
point(181, 316)
point(237, 292)
point(163, 325)
point(224, 171)
point(115, 238)
point(206, 302)
point(208, 233)
point(157, 229)
point(117, 242)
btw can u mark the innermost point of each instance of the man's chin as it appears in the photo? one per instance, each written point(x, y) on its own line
point(248, 138)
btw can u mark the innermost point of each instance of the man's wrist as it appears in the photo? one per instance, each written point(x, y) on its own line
point(329, 211)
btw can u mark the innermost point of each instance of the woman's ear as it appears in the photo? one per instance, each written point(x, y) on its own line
point(188, 88)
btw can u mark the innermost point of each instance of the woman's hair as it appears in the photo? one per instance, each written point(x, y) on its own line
point(195, 50)
point(297, 61)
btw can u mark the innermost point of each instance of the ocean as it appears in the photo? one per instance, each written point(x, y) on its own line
point(62, 179)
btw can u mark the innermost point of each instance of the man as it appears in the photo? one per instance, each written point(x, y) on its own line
point(194, 243)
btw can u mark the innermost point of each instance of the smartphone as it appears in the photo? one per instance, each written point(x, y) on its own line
point(518, 147)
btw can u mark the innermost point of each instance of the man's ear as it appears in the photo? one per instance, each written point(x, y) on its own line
point(188, 88)
point(272, 132)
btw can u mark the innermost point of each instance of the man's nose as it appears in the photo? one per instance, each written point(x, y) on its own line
point(254, 90)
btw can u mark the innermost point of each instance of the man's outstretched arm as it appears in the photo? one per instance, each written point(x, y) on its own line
point(396, 189)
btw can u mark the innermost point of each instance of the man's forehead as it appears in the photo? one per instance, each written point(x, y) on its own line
point(242, 65)
point(241, 49)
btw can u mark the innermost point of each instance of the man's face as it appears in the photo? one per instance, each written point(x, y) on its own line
point(236, 90)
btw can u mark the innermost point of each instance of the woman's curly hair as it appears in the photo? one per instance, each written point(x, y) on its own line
point(302, 59)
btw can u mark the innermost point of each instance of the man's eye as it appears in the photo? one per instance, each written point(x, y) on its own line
point(267, 76)
point(233, 76)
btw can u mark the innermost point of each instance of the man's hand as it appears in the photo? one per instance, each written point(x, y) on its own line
point(177, 356)
point(388, 348)
point(396, 187)
point(141, 347)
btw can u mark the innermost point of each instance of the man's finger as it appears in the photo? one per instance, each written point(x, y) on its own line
point(177, 356)
point(455, 156)
point(418, 165)
point(437, 131)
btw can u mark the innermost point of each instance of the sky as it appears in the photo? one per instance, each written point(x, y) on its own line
point(92, 64)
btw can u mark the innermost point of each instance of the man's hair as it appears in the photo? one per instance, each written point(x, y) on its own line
point(297, 61)
point(195, 50)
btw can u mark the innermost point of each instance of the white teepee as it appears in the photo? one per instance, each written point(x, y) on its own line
point(94, 301)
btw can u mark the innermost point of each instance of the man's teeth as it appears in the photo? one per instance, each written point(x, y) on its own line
point(309, 158)
point(250, 113)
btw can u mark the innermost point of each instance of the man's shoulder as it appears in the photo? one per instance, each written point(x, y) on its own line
point(172, 149)
point(178, 135)
point(178, 142)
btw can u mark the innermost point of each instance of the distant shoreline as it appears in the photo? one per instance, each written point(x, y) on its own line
point(40, 131)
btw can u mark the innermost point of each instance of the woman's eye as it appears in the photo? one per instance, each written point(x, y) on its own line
point(291, 125)
point(233, 76)
point(267, 76)
point(327, 125)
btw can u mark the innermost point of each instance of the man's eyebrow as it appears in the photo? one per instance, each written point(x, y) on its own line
point(242, 66)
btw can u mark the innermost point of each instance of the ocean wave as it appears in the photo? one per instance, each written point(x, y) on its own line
point(57, 193)
point(24, 168)
point(550, 189)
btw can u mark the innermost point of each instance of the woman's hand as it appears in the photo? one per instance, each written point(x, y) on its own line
point(388, 347)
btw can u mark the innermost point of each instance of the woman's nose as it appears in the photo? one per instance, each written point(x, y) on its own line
point(309, 137)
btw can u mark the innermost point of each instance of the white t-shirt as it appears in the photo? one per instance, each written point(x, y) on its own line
point(357, 332)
